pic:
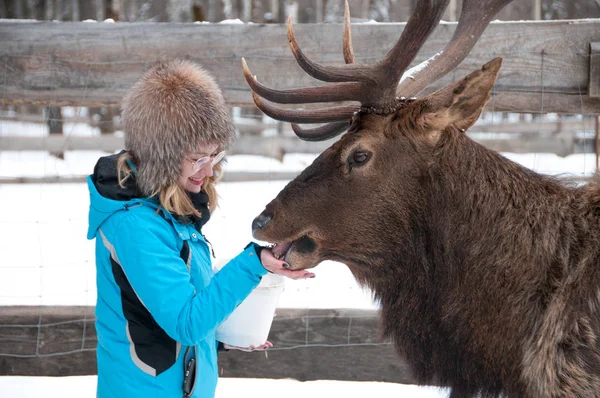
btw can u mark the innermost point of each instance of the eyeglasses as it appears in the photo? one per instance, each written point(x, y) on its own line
point(199, 163)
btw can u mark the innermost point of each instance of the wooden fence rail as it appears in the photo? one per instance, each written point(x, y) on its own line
point(310, 344)
point(245, 125)
point(546, 64)
point(529, 137)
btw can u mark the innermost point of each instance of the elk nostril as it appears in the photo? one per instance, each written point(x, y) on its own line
point(260, 222)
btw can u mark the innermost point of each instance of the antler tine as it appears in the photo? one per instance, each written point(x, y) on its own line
point(349, 91)
point(321, 133)
point(423, 20)
point(348, 50)
point(331, 114)
point(340, 73)
point(475, 17)
point(374, 86)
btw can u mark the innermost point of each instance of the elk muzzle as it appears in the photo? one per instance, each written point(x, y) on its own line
point(260, 222)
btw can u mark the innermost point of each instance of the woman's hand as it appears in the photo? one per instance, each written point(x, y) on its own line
point(263, 347)
point(280, 267)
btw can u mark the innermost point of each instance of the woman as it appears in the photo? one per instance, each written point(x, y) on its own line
point(159, 302)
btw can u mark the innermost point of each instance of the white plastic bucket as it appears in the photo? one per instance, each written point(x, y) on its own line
point(249, 324)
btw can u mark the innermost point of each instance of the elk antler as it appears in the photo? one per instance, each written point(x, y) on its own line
point(373, 86)
point(474, 18)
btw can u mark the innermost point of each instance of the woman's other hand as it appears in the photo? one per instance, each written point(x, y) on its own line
point(263, 347)
point(280, 267)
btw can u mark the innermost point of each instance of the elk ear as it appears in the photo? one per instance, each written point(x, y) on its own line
point(459, 103)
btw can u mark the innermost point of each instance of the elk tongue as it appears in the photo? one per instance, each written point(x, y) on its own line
point(279, 250)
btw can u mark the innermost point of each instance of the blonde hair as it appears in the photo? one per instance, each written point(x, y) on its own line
point(174, 198)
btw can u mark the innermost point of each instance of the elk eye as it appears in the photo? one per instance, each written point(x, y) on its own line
point(359, 157)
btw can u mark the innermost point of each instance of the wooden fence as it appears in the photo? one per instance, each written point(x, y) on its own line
point(557, 137)
point(310, 344)
point(548, 67)
point(546, 64)
point(522, 137)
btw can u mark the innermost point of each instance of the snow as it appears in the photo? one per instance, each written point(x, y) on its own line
point(15, 20)
point(85, 386)
point(235, 21)
point(409, 74)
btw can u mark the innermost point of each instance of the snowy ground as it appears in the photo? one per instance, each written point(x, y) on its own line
point(46, 259)
point(85, 386)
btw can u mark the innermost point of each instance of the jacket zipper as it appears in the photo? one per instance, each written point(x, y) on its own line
point(209, 245)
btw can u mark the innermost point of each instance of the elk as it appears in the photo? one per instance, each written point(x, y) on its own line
point(487, 273)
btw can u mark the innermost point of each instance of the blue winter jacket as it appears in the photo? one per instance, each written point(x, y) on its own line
point(158, 298)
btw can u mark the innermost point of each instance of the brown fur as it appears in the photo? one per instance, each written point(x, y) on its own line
point(174, 108)
point(487, 272)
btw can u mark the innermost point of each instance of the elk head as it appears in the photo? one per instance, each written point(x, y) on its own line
point(365, 194)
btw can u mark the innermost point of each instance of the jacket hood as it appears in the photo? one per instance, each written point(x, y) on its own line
point(108, 197)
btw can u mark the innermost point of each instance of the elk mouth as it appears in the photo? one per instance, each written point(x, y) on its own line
point(292, 250)
point(279, 250)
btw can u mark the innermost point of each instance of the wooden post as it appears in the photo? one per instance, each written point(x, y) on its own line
point(198, 13)
point(594, 89)
point(100, 10)
point(211, 13)
point(452, 11)
point(319, 11)
point(246, 11)
point(55, 126)
point(18, 9)
point(365, 8)
point(107, 123)
point(281, 12)
point(36, 9)
point(59, 10)
point(537, 9)
point(594, 85)
point(117, 11)
point(597, 140)
point(54, 121)
point(3, 10)
point(50, 10)
point(75, 10)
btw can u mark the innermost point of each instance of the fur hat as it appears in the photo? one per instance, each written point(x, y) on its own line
point(172, 110)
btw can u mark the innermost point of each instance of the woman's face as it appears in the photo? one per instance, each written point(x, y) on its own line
point(191, 180)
